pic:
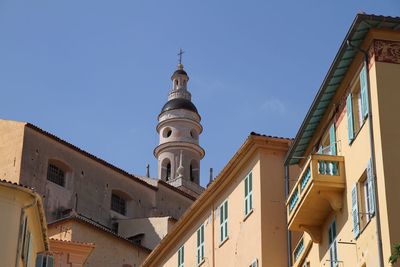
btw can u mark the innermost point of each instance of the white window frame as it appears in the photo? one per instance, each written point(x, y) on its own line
point(333, 252)
point(223, 226)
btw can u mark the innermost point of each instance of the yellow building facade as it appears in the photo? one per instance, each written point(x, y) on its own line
point(240, 219)
point(24, 241)
point(343, 208)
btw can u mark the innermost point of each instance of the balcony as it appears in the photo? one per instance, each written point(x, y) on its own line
point(301, 250)
point(317, 193)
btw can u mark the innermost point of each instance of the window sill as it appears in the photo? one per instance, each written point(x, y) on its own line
point(365, 226)
point(248, 215)
point(358, 131)
point(223, 241)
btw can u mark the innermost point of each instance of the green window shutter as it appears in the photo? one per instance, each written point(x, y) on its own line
point(221, 223)
point(332, 139)
point(50, 261)
point(248, 193)
point(200, 244)
point(39, 260)
point(354, 211)
point(364, 91)
point(371, 189)
point(181, 256)
point(350, 124)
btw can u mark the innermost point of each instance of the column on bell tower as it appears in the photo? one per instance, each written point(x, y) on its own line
point(179, 128)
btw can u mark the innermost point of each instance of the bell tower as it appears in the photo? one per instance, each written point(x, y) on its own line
point(179, 128)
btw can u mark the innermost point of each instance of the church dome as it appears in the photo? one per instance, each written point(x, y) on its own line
point(179, 71)
point(179, 103)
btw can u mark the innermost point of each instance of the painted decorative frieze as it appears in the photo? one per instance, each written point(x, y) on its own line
point(385, 51)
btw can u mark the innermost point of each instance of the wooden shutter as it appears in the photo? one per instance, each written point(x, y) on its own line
point(364, 91)
point(354, 211)
point(350, 122)
point(371, 189)
point(332, 139)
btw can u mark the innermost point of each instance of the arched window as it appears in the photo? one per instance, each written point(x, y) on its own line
point(194, 171)
point(168, 172)
point(191, 173)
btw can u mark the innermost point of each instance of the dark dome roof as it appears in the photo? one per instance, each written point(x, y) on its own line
point(179, 103)
point(178, 71)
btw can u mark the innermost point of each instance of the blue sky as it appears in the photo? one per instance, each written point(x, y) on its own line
point(96, 73)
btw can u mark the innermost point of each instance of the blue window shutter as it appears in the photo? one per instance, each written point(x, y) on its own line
point(350, 127)
point(39, 260)
point(354, 211)
point(364, 91)
point(332, 139)
point(371, 189)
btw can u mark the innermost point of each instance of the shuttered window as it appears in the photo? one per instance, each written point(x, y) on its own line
point(200, 245)
point(332, 139)
point(354, 211)
point(223, 221)
point(350, 121)
point(181, 256)
point(364, 91)
point(248, 194)
point(333, 245)
point(370, 190)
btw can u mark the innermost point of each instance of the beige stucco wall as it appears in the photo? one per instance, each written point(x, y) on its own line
point(387, 146)
point(109, 250)
point(272, 192)
point(153, 228)
point(12, 201)
point(11, 136)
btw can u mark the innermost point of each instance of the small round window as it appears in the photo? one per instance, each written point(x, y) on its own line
point(167, 132)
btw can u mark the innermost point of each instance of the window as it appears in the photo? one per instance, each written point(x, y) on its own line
point(43, 260)
point(55, 174)
point(333, 245)
point(363, 200)
point(200, 245)
point(118, 204)
point(191, 173)
point(168, 173)
point(328, 143)
point(248, 194)
point(26, 239)
point(357, 105)
point(181, 256)
point(194, 171)
point(223, 221)
point(166, 132)
point(254, 263)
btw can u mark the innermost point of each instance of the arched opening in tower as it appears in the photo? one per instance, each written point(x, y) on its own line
point(168, 172)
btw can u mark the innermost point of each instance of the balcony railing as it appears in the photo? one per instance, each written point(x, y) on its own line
point(316, 193)
point(301, 250)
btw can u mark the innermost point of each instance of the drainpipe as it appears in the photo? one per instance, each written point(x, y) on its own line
point(373, 161)
point(289, 234)
point(21, 222)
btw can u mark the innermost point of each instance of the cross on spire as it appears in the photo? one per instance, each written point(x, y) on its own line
point(180, 55)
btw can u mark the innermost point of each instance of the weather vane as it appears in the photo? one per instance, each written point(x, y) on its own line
point(180, 55)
